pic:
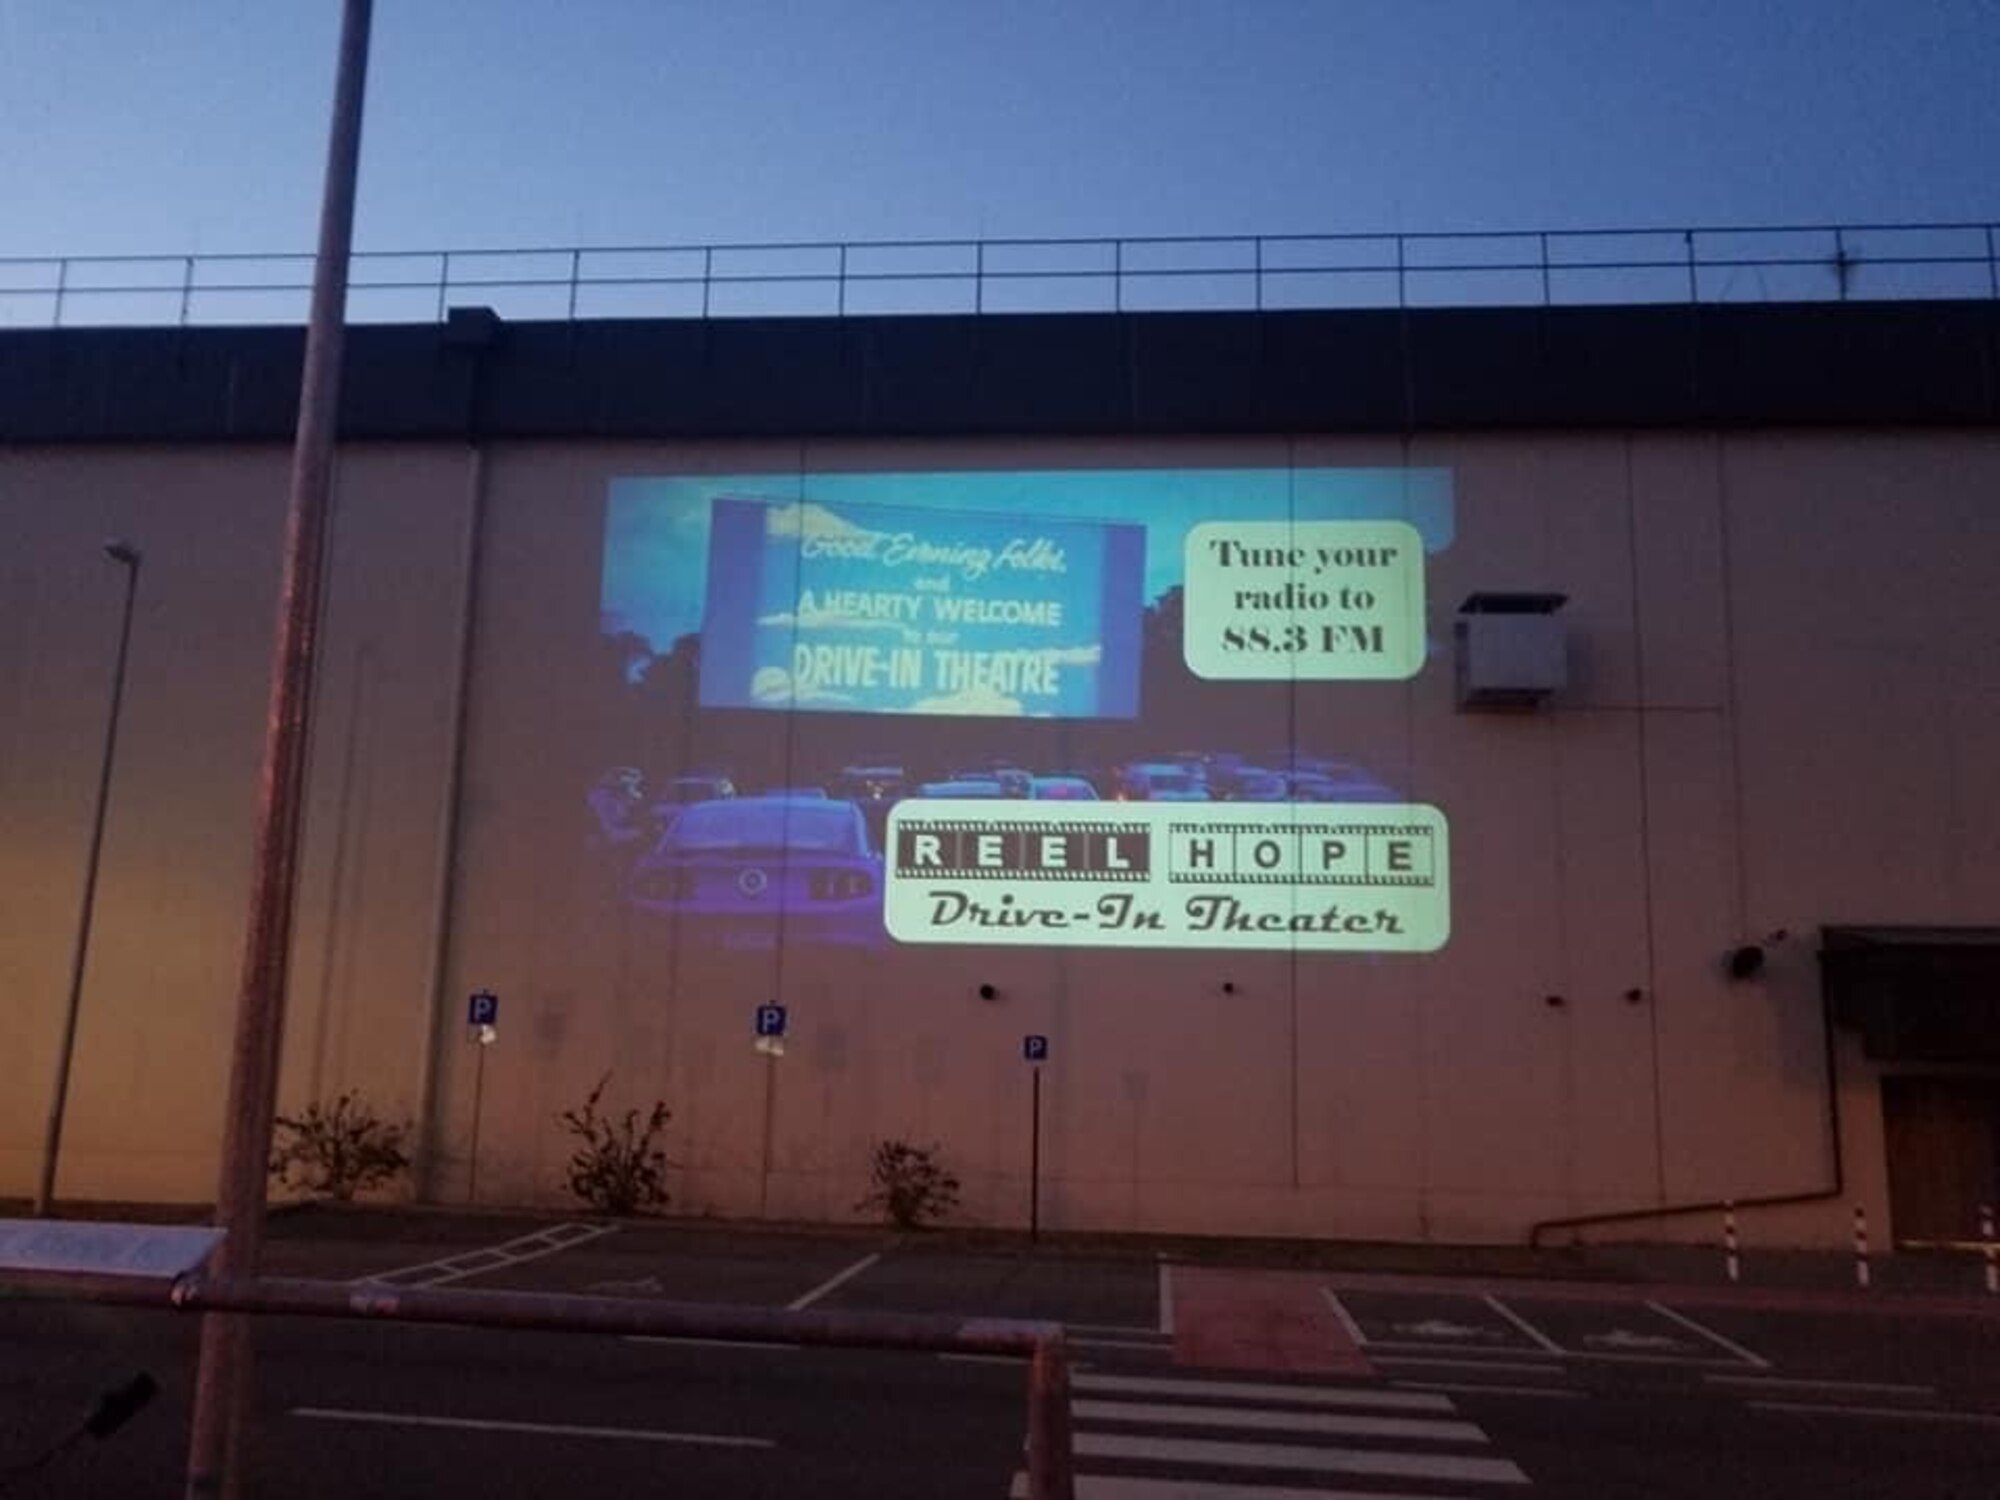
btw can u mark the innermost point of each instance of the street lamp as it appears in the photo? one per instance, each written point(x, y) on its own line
point(127, 556)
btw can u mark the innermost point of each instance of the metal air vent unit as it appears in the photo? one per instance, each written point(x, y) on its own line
point(1511, 650)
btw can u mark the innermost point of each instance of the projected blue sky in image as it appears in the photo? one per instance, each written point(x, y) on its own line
point(657, 530)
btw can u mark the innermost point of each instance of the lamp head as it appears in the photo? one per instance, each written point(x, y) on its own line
point(120, 550)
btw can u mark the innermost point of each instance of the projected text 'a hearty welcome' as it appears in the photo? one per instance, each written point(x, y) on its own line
point(1362, 878)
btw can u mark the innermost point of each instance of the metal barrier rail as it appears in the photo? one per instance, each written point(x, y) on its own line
point(1049, 1461)
point(1567, 267)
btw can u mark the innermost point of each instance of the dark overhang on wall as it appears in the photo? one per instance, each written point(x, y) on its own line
point(1393, 371)
point(1916, 994)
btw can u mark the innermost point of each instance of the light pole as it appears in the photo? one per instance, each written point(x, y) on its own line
point(222, 1368)
point(127, 556)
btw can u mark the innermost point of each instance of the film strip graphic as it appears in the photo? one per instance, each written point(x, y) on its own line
point(1016, 849)
point(1305, 853)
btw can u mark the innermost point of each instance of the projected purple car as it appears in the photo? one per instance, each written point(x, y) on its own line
point(737, 870)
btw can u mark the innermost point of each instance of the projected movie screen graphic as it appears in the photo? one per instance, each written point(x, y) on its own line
point(1060, 707)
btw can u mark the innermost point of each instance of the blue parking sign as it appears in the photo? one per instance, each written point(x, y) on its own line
point(770, 1020)
point(483, 1009)
point(1035, 1048)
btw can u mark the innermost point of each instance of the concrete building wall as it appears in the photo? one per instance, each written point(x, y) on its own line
point(1784, 698)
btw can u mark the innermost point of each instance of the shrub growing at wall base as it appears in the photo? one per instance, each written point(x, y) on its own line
point(911, 1187)
point(617, 1167)
point(337, 1150)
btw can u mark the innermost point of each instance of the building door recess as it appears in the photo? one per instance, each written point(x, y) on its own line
point(1943, 1140)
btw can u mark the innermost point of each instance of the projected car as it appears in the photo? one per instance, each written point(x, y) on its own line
point(738, 870)
point(1158, 781)
point(1062, 789)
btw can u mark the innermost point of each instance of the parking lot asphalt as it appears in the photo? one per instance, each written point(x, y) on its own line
point(1284, 1382)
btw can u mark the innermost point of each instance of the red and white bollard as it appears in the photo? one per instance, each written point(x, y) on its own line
point(1731, 1265)
point(1986, 1235)
point(1861, 1247)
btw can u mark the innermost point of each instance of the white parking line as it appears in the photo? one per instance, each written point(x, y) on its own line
point(1903, 1413)
point(1483, 1388)
point(1447, 1466)
point(1263, 1419)
point(832, 1283)
point(1152, 1346)
point(1523, 1324)
point(538, 1429)
point(1754, 1360)
point(517, 1251)
point(1346, 1318)
point(1777, 1383)
point(1512, 1367)
point(1366, 1397)
point(695, 1343)
point(1132, 1487)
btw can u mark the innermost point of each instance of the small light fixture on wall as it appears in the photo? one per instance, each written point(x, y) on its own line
point(988, 992)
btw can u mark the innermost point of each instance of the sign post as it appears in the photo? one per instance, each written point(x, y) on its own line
point(482, 1019)
point(770, 1027)
point(1035, 1052)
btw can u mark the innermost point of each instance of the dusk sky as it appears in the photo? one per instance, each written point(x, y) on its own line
point(141, 126)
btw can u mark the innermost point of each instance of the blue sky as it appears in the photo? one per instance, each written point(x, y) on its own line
point(199, 126)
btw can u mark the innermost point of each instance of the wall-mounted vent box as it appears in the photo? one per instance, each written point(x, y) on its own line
point(1511, 650)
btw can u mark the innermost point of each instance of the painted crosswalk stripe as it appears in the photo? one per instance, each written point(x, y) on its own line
point(1251, 1390)
point(1132, 1487)
point(1449, 1467)
point(1259, 1419)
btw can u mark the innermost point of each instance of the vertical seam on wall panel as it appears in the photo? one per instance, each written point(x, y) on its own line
point(445, 872)
point(1645, 819)
point(1559, 847)
point(1729, 699)
point(1291, 767)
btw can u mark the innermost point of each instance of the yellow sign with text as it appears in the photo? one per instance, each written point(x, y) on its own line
point(1308, 600)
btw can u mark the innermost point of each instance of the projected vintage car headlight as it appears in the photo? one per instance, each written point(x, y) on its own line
point(1329, 878)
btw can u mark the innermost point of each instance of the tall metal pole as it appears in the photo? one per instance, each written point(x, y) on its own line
point(45, 1186)
point(222, 1376)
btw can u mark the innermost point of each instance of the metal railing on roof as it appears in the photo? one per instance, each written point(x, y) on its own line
point(1568, 267)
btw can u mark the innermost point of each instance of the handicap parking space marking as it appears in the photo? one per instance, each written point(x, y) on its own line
point(1642, 1332)
point(523, 1248)
point(1721, 1341)
point(1454, 1321)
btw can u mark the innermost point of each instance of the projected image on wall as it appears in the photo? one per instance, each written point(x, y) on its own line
point(816, 685)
